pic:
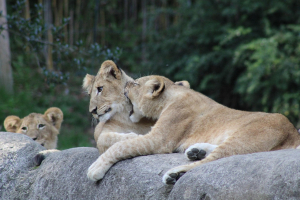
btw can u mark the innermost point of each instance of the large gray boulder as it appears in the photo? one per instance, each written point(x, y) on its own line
point(62, 175)
point(268, 175)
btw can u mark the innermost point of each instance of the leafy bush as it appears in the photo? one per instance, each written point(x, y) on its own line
point(244, 54)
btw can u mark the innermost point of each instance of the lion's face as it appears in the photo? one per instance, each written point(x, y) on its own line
point(106, 91)
point(146, 96)
point(42, 128)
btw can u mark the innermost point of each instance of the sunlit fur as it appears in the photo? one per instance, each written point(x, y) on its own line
point(43, 128)
point(112, 108)
point(114, 123)
point(186, 117)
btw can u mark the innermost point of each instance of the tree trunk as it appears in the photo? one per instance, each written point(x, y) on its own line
point(102, 18)
point(71, 27)
point(27, 10)
point(6, 78)
point(96, 11)
point(49, 36)
point(66, 14)
point(77, 19)
point(144, 30)
point(126, 13)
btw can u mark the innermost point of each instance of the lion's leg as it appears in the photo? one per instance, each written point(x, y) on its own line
point(199, 151)
point(141, 145)
point(172, 175)
point(107, 139)
point(247, 142)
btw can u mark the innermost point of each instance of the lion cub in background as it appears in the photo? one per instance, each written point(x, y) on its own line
point(185, 118)
point(43, 128)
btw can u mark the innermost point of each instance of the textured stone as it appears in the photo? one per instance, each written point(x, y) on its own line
point(62, 175)
point(267, 175)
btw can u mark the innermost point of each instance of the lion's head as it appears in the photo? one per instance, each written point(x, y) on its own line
point(43, 128)
point(106, 91)
point(147, 96)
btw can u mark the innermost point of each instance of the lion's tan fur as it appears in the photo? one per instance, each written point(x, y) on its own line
point(185, 117)
point(43, 128)
point(117, 122)
point(194, 118)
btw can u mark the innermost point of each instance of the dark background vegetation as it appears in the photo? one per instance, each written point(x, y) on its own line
point(243, 54)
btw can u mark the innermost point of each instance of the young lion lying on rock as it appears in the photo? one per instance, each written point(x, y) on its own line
point(43, 128)
point(109, 105)
point(185, 118)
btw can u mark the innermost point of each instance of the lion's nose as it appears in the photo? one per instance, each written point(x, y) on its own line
point(94, 111)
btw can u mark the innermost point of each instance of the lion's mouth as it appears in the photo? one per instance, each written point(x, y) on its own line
point(96, 115)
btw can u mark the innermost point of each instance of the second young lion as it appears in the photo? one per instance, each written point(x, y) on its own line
point(109, 106)
point(43, 128)
point(185, 118)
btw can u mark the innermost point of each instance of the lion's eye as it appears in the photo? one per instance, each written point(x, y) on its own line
point(41, 126)
point(24, 128)
point(135, 83)
point(99, 89)
point(34, 138)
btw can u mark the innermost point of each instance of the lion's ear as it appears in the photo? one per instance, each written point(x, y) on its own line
point(183, 83)
point(12, 123)
point(156, 86)
point(88, 83)
point(109, 70)
point(54, 116)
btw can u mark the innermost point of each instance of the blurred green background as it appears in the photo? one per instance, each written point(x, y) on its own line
point(244, 54)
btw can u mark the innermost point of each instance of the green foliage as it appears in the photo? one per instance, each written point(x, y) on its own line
point(271, 80)
point(38, 88)
point(244, 54)
point(29, 37)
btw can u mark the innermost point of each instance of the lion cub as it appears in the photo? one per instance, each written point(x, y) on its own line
point(186, 117)
point(109, 106)
point(43, 128)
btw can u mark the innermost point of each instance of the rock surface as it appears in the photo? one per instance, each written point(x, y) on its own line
point(62, 175)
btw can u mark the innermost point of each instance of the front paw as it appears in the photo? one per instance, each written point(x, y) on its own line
point(97, 171)
point(171, 179)
point(173, 175)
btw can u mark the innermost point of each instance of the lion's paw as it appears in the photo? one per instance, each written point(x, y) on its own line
point(97, 171)
point(173, 175)
point(196, 154)
point(199, 151)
